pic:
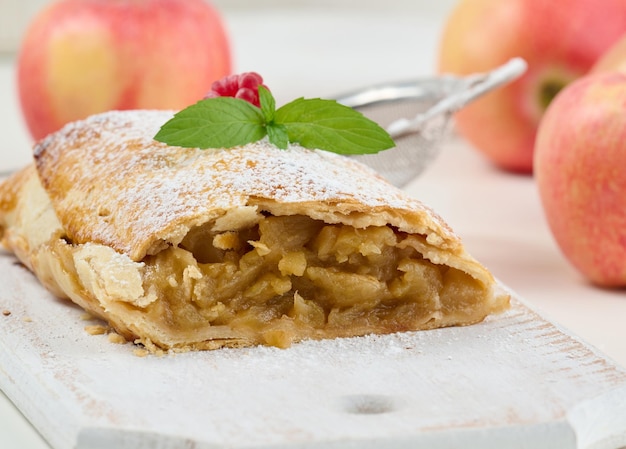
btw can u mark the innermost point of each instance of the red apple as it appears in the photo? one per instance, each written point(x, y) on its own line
point(80, 57)
point(559, 40)
point(614, 59)
point(580, 168)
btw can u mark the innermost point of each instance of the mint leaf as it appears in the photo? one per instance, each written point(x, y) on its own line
point(268, 104)
point(222, 122)
point(278, 135)
point(330, 126)
point(226, 122)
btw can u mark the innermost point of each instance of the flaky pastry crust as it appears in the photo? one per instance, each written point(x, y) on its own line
point(121, 224)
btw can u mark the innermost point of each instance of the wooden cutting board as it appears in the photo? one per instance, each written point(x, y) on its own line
point(513, 381)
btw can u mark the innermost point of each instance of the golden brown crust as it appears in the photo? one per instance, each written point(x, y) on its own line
point(10, 188)
point(149, 194)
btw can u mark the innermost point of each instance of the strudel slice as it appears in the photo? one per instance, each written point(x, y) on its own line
point(200, 249)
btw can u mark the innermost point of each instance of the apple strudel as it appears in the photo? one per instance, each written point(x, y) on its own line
point(199, 249)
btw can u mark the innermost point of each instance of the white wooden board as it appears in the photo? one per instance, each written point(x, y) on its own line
point(514, 381)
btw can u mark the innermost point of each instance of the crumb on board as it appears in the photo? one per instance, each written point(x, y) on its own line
point(143, 349)
point(96, 329)
point(140, 352)
point(148, 347)
point(27, 319)
point(100, 329)
point(116, 338)
point(6, 312)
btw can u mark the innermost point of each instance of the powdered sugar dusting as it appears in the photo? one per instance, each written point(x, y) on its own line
point(111, 183)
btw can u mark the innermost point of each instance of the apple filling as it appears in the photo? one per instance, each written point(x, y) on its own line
point(290, 278)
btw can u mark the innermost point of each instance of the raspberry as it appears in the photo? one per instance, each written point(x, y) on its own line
point(244, 86)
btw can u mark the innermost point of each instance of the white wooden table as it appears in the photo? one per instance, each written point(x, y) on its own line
point(497, 214)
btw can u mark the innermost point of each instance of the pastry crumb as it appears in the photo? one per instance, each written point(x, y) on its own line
point(96, 329)
point(116, 338)
point(27, 319)
point(140, 352)
point(6, 312)
point(149, 347)
point(182, 350)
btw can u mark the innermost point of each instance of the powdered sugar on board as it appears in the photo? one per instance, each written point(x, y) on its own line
point(514, 381)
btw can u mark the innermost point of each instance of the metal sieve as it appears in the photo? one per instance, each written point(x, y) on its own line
point(417, 113)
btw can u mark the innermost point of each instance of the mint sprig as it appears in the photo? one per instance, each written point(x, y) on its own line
point(226, 122)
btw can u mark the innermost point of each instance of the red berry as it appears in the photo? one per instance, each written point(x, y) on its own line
point(244, 86)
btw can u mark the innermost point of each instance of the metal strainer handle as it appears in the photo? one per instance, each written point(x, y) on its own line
point(468, 89)
point(416, 114)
